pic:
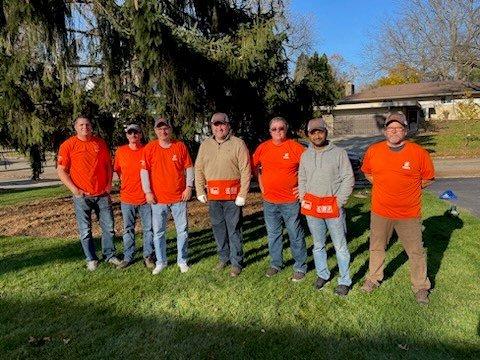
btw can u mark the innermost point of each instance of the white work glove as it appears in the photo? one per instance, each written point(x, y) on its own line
point(202, 198)
point(240, 201)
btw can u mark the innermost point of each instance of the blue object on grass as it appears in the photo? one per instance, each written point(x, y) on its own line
point(448, 195)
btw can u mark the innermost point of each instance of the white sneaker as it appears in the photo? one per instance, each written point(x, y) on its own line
point(158, 269)
point(183, 268)
point(92, 265)
point(114, 261)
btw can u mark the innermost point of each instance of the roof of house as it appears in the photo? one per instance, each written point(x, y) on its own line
point(418, 90)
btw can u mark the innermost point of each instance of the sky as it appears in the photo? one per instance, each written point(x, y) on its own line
point(344, 26)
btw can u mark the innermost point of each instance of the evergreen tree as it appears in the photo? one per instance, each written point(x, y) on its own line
point(315, 84)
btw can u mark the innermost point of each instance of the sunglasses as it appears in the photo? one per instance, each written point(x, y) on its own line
point(218, 123)
point(130, 132)
point(277, 129)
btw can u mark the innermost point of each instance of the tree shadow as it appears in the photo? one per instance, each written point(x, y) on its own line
point(70, 328)
point(71, 251)
point(437, 235)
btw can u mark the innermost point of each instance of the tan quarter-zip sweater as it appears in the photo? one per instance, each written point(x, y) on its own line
point(228, 160)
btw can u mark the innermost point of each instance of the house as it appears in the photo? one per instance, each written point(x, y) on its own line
point(364, 113)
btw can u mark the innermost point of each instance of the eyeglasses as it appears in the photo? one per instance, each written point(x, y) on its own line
point(130, 132)
point(218, 123)
point(277, 129)
point(394, 129)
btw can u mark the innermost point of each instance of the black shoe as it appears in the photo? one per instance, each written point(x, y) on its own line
point(320, 283)
point(342, 290)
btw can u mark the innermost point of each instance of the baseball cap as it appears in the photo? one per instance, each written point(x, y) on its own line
point(398, 117)
point(162, 122)
point(316, 124)
point(132, 127)
point(220, 117)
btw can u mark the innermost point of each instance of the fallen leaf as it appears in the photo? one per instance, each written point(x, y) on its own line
point(403, 347)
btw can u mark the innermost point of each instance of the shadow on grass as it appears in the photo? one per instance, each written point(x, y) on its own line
point(437, 235)
point(66, 252)
point(64, 327)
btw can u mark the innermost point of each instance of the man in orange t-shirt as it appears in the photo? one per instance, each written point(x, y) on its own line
point(276, 162)
point(84, 166)
point(398, 170)
point(167, 181)
point(127, 165)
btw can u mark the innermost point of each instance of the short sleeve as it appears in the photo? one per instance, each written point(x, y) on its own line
point(63, 157)
point(427, 171)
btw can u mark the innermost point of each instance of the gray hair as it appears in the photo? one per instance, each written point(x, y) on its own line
point(279, 119)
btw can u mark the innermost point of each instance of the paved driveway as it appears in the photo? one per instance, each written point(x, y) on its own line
point(466, 189)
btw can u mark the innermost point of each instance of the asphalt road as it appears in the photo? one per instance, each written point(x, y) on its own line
point(466, 189)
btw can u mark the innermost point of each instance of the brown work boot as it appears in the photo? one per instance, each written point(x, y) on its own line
point(235, 271)
point(368, 286)
point(271, 272)
point(422, 296)
point(298, 276)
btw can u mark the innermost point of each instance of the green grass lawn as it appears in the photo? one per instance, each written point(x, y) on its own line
point(16, 197)
point(51, 307)
point(449, 139)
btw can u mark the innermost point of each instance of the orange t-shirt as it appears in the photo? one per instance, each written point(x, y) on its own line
point(127, 165)
point(397, 179)
point(88, 163)
point(167, 170)
point(279, 169)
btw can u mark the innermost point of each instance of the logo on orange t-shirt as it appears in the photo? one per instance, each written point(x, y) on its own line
point(406, 165)
point(286, 156)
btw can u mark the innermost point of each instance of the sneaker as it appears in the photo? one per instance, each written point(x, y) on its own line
point(422, 297)
point(320, 283)
point(342, 290)
point(368, 286)
point(149, 262)
point(271, 272)
point(220, 266)
point(123, 264)
point(158, 269)
point(92, 265)
point(114, 261)
point(298, 276)
point(183, 268)
point(235, 271)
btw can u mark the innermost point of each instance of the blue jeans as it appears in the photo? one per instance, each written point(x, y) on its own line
point(290, 214)
point(226, 218)
point(129, 213)
point(337, 229)
point(159, 222)
point(102, 205)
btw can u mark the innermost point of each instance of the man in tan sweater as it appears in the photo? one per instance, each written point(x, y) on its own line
point(222, 179)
